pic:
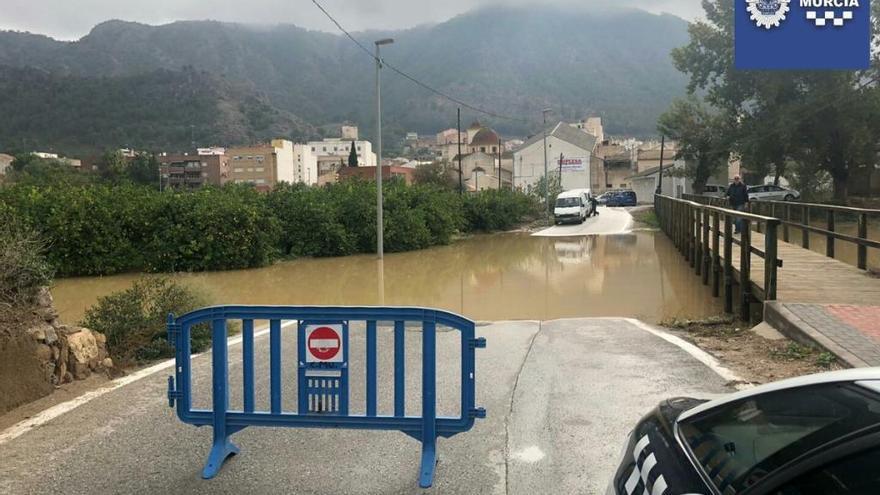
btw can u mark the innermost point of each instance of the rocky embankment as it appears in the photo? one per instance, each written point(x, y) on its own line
point(39, 353)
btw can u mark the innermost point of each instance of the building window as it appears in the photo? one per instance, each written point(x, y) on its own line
point(250, 169)
point(204, 174)
point(313, 150)
point(324, 148)
point(260, 169)
point(260, 159)
point(260, 181)
point(359, 148)
point(236, 157)
point(239, 169)
point(494, 149)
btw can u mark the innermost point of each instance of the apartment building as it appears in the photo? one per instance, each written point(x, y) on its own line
point(264, 165)
point(340, 148)
point(193, 171)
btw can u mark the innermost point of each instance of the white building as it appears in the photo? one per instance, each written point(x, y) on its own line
point(644, 184)
point(213, 151)
point(305, 164)
point(340, 148)
point(563, 139)
point(350, 132)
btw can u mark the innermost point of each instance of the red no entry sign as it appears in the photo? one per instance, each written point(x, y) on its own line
point(324, 343)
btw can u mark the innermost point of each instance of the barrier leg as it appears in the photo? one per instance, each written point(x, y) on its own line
point(429, 462)
point(222, 447)
point(429, 404)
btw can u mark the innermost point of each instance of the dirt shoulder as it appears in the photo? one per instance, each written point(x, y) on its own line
point(755, 358)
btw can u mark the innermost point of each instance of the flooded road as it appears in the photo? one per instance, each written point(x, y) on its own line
point(494, 277)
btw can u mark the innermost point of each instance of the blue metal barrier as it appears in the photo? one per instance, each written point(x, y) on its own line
point(322, 374)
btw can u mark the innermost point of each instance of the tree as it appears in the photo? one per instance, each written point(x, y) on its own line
point(112, 166)
point(703, 138)
point(352, 156)
point(778, 117)
point(434, 173)
point(144, 169)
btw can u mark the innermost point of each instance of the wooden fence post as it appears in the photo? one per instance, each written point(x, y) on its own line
point(770, 257)
point(745, 261)
point(716, 259)
point(805, 233)
point(829, 239)
point(863, 234)
point(728, 264)
point(785, 225)
point(706, 250)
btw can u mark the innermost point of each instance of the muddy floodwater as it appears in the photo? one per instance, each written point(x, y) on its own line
point(495, 277)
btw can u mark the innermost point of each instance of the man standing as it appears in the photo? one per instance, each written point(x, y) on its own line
point(738, 195)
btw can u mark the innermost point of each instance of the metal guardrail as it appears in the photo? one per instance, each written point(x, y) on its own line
point(322, 363)
point(696, 229)
point(784, 211)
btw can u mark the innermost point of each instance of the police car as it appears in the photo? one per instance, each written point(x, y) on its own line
point(812, 435)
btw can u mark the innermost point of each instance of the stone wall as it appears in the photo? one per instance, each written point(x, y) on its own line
point(38, 352)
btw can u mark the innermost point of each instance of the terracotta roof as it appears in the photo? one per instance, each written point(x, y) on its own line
point(485, 137)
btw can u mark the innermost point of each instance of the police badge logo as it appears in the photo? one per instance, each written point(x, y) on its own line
point(768, 13)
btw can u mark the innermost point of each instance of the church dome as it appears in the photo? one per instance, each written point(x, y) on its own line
point(485, 137)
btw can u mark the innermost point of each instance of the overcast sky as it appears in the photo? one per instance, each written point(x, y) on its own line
point(71, 19)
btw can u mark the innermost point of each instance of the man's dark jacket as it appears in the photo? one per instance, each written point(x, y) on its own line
point(738, 194)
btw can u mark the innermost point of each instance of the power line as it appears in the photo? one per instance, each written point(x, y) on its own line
point(413, 79)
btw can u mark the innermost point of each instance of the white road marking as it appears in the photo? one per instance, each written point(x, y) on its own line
point(531, 454)
point(697, 353)
point(53, 412)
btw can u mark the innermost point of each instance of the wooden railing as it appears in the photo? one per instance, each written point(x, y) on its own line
point(799, 216)
point(698, 230)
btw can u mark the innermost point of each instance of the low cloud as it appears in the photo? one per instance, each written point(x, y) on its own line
point(71, 20)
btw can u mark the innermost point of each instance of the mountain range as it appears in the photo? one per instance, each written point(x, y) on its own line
point(163, 86)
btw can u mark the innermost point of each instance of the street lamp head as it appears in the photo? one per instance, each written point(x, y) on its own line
point(386, 41)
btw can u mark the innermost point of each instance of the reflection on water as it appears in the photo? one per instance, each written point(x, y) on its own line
point(498, 277)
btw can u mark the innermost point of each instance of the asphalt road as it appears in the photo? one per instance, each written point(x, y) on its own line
point(609, 221)
point(561, 397)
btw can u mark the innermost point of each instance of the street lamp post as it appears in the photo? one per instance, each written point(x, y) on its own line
point(379, 227)
point(545, 112)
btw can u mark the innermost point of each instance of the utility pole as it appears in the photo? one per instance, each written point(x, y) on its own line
point(660, 180)
point(546, 178)
point(458, 138)
point(380, 248)
point(561, 156)
point(499, 164)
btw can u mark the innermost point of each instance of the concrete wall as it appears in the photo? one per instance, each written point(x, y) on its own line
point(306, 164)
point(529, 164)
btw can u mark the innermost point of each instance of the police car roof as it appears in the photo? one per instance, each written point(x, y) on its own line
point(850, 375)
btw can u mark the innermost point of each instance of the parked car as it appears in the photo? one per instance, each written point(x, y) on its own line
point(603, 198)
point(625, 197)
point(571, 206)
point(812, 435)
point(715, 191)
point(770, 192)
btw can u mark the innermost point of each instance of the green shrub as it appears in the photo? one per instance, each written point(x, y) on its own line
point(211, 229)
point(23, 266)
point(493, 210)
point(101, 229)
point(134, 320)
point(309, 222)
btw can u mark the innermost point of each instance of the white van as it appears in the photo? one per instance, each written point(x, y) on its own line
point(571, 206)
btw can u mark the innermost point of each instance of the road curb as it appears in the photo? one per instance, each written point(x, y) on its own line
point(793, 327)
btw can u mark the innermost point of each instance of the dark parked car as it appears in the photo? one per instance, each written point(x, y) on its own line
point(812, 435)
point(620, 198)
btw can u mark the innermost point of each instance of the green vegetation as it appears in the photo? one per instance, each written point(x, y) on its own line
point(808, 125)
point(159, 109)
point(23, 266)
point(133, 320)
point(100, 229)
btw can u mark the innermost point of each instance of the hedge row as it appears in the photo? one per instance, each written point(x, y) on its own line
point(101, 229)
